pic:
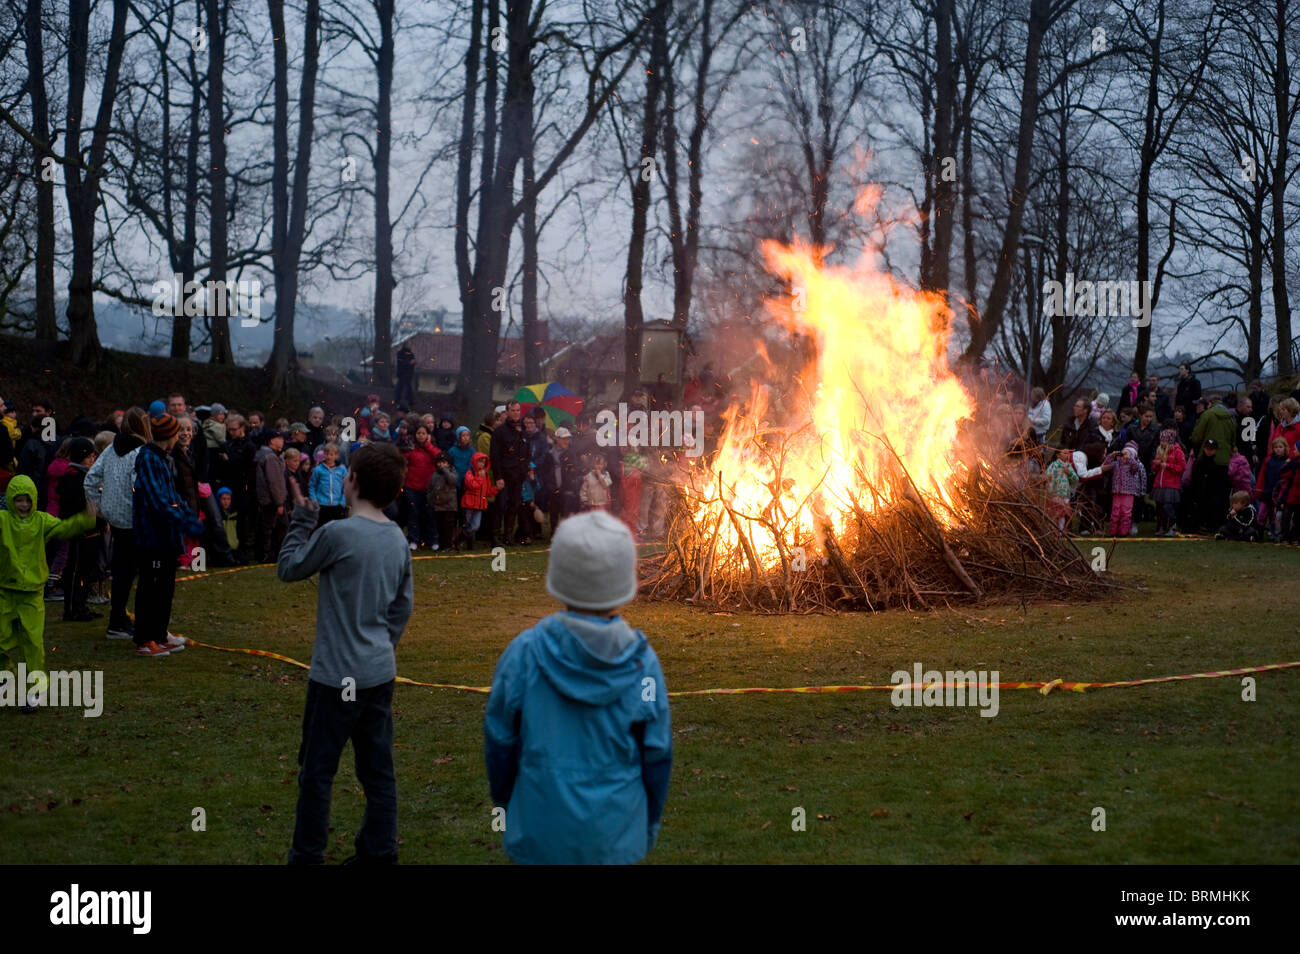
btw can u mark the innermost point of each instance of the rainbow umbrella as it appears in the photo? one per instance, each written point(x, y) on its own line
point(561, 404)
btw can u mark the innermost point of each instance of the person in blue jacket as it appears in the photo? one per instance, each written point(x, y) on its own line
point(577, 735)
point(326, 487)
point(462, 453)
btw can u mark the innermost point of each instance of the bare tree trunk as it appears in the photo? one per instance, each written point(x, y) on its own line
point(464, 170)
point(384, 281)
point(970, 267)
point(46, 328)
point(290, 209)
point(944, 197)
point(83, 193)
point(532, 329)
point(219, 323)
point(1040, 14)
point(184, 262)
point(642, 174)
point(1285, 118)
point(477, 371)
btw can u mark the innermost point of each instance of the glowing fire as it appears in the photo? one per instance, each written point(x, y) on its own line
point(879, 373)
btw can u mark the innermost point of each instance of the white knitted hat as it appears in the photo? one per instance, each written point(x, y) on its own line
point(593, 562)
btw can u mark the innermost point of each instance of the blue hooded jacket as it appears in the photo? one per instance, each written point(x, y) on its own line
point(461, 457)
point(578, 742)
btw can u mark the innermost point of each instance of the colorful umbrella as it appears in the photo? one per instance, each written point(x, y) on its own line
point(561, 404)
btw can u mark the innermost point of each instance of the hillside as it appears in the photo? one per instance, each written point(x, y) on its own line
point(31, 370)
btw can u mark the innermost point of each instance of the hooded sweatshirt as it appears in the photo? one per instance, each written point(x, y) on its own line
point(444, 437)
point(108, 484)
point(22, 539)
point(462, 457)
point(479, 488)
point(578, 742)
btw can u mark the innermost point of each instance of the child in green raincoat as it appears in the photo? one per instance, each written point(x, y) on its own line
point(24, 531)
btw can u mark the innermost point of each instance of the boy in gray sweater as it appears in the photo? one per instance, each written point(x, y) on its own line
point(364, 602)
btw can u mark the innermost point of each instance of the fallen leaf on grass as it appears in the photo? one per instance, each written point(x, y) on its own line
point(879, 813)
point(765, 826)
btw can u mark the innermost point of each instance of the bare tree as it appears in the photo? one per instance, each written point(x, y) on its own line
point(289, 217)
point(83, 190)
point(482, 282)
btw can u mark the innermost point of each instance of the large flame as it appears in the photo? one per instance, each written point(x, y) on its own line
point(877, 378)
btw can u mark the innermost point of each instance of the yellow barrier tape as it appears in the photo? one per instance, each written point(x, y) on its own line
point(1043, 688)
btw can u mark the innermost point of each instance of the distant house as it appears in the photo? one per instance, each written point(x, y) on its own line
point(437, 362)
point(593, 369)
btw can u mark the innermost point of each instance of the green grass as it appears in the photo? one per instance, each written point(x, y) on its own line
point(1186, 771)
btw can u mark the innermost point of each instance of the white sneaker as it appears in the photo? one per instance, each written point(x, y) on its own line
point(413, 547)
point(434, 547)
point(1133, 531)
point(175, 643)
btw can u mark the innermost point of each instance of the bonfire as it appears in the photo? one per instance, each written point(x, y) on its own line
point(865, 480)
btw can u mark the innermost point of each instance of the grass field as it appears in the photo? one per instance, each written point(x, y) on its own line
point(1187, 771)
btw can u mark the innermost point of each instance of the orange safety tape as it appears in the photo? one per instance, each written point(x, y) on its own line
point(1043, 687)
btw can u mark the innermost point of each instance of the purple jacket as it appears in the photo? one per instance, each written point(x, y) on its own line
point(1129, 477)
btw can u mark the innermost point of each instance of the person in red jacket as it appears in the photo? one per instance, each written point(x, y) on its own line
point(1167, 468)
point(421, 462)
point(479, 489)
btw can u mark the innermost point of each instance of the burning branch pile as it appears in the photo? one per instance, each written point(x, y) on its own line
point(864, 485)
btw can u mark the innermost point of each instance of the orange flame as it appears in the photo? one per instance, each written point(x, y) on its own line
point(879, 373)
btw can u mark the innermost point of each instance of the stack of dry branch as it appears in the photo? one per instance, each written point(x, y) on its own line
point(899, 547)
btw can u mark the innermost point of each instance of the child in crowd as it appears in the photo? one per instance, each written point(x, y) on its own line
point(530, 494)
point(1240, 523)
point(443, 486)
point(595, 485)
point(364, 600)
point(421, 461)
point(479, 490)
point(1061, 481)
point(577, 734)
point(326, 485)
point(229, 518)
point(1239, 475)
point(1168, 466)
point(462, 452)
point(1128, 480)
point(1270, 474)
point(160, 520)
point(24, 531)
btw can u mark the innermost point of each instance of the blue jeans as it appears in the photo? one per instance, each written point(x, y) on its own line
point(473, 519)
point(328, 723)
point(420, 527)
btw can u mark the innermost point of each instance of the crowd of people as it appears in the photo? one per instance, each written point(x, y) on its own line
point(177, 486)
point(1218, 463)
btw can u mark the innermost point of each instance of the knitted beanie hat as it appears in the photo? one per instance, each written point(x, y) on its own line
point(1168, 436)
point(163, 426)
point(593, 562)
